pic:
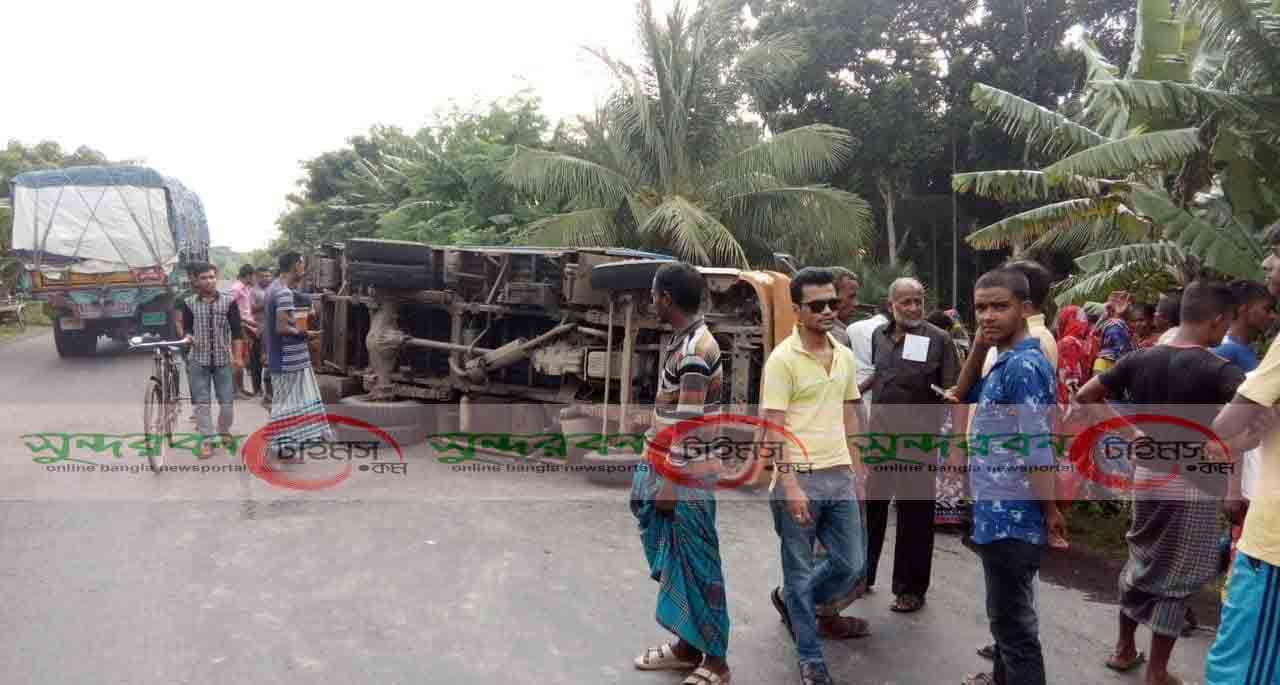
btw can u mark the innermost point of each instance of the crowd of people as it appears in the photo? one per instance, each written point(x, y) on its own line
point(253, 328)
point(900, 372)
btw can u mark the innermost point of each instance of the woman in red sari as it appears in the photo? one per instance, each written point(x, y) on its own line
point(1075, 362)
point(1075, 353)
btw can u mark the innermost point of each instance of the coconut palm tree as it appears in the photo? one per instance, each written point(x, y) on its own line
point(1174, 168)
point(670, 163)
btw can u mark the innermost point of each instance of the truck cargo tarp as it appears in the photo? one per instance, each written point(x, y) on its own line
point(105, 219)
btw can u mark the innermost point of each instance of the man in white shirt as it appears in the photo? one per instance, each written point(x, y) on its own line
point(860, 333)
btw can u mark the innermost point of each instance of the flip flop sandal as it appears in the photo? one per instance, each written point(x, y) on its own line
point(781, 606)
point(979, 679)
point(1137, 661)
point(906, 604)
point(702, 676)
point(663, 658)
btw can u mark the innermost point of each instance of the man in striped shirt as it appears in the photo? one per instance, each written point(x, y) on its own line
point(297, 411)
point(678, 519)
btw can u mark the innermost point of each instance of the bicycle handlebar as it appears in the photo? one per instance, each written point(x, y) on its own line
point(151, 342)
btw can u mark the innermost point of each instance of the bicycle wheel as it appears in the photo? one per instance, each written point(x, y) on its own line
point(156, 424)
point(175, 391)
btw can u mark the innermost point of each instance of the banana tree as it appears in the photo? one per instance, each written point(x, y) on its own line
point(1141, 179)
point(674, 168)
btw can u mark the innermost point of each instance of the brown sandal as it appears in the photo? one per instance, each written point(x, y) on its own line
point(843, 628)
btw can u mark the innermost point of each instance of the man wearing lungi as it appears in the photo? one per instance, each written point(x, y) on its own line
point(297, 411)
point(678, 519)
point(1173, 538)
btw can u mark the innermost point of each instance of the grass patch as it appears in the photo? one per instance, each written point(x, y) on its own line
point(35, 318)
point(1099, 526)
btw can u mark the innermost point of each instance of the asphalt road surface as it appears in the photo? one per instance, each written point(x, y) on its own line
point(430, 577)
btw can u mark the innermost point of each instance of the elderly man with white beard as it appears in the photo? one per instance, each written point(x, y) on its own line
point(912, 357)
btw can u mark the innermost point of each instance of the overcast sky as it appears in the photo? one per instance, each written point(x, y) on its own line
point(230, 96)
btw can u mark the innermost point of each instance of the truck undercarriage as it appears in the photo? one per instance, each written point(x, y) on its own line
point(557, 335)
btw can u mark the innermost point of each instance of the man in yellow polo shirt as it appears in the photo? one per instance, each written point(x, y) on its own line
point(1247, 650)
point(810, 387)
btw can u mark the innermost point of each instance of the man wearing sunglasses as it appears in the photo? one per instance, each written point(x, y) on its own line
point(912, 357)
point(811, 389)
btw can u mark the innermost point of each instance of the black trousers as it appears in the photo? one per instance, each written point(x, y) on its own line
point(916, 493)
point(1009, 568)
point(255, 366)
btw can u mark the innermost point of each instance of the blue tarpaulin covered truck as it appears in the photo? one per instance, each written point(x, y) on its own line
point(103, 246)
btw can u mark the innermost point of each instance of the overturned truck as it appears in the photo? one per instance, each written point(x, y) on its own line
point(520, 340)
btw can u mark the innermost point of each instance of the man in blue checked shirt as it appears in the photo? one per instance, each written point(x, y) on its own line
point(1013, 493)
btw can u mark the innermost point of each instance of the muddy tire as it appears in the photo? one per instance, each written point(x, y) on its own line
point(410, 277)
point(401, 252)
point(385, 415)
point(634, 274)
point(74, 343)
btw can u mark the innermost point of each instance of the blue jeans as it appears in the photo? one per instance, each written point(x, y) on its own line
point(1010, 567)
point(837, 523)
point(201, 377)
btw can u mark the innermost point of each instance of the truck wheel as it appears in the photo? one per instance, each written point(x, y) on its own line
point(386, 415)
point(633, 274)
point(412, 277)
point(74, 343)
point(401, 252)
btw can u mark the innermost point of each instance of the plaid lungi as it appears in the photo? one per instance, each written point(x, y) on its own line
point(297, 410)
point(683, 553)
point(1173, 552)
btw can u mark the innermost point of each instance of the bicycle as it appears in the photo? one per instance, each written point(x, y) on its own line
point(162, 401)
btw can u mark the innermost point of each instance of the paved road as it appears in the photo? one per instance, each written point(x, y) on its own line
point(433, 577)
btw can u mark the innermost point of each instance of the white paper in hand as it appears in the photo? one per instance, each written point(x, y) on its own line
point(915, 348)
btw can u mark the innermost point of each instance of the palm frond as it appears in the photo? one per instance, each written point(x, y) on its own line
point(1033, 223)
point(721, 189)
point(1159, 252)
point(1231, 249)
point(1192, 104)
point(1120, 267)
point(1022, 185)
point(1039, 127)
point(693, 234)
point(563, 177)
point(1120, 157)
point(811, 222)
point(1096, 64)
point(1248, 30)
point(801, 155)
point(1122, 227)
point(770, 62)
point(583, 228)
